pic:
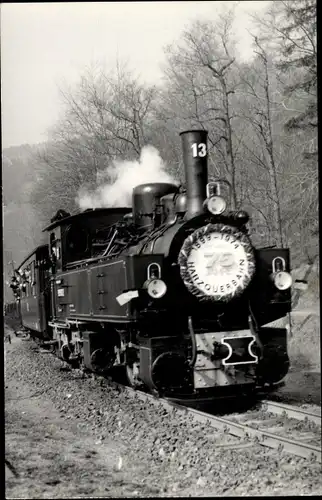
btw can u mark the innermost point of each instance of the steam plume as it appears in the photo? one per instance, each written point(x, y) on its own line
point(125, 176)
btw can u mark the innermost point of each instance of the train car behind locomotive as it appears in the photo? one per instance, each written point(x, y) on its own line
point(30, 288)
point(171, 289)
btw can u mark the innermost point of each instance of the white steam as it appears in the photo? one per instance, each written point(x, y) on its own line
point(125, 176)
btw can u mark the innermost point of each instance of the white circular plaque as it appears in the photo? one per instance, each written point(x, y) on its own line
point(217, 262)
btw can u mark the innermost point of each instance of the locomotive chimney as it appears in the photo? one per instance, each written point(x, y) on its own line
point(195, 155)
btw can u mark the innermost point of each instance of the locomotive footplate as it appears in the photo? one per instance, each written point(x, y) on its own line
point(225, 358)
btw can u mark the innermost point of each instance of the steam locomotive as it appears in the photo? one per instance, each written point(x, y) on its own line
point(170, 291)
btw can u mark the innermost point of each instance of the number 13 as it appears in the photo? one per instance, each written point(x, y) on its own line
point(202, 149)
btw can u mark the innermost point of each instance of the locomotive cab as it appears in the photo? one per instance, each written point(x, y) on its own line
point(82, 236)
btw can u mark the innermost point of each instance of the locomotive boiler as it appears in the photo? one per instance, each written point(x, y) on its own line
point(171, 289)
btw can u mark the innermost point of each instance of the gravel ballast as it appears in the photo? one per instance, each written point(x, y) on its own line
point(172, 454)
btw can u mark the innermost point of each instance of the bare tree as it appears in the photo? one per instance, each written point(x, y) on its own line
point(288, 31)
point(289, 26)
point(200, 85)
point(106, 117)
point(259, 115)
point(110, 113)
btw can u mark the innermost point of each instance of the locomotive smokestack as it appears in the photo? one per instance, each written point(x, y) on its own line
point(195, 156)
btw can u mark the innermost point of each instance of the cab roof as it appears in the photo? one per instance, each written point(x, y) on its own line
point(78, 216)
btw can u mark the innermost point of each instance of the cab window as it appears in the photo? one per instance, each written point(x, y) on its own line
point(77, 243)
point(55, 248)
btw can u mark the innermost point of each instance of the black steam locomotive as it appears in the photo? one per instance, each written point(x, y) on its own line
point(171, 290)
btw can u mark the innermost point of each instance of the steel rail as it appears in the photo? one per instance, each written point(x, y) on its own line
point(262, 437)
point(290, 411)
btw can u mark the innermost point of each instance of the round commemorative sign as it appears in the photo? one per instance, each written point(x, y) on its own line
point(217, 262)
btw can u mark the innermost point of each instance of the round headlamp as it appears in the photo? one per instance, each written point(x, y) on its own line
point(156, 288)
point(282, 280)
point(216, 205)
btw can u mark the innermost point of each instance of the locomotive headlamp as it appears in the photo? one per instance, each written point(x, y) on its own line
point(281, 278)
point(154, 285)
point(214, 202)
point(216, 205)
point(156, 288)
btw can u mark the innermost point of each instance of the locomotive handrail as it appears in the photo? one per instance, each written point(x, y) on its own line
point(91, 260)
point(79, 262)
point(110, 243)
point(193, 342)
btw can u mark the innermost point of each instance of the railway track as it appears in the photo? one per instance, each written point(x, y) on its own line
point(269, 427)
point(252, 432)
point(291, 412)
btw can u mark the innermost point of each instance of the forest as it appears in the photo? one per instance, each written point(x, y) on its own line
point(261, 116)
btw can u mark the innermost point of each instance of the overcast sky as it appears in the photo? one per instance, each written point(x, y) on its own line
point(45, 44)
